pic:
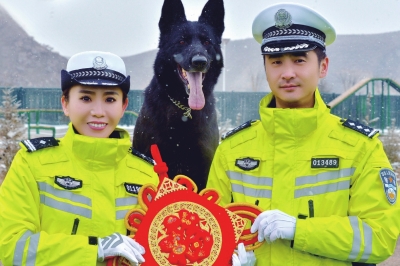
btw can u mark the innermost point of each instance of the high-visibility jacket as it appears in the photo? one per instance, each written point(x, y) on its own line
point(337, 182)
point(95, 180)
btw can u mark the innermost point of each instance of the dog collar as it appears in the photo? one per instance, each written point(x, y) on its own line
point(187, 110)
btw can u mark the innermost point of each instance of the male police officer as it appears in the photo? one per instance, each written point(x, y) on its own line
point(326, 185)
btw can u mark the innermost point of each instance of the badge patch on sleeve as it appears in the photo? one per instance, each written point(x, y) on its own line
point(388, 178)
point(132, 188)
point(67, 182)
point(247, 164)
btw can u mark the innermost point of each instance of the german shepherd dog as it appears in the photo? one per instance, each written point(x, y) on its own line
point(178, 112)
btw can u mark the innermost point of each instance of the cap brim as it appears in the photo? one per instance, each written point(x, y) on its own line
point(282, 47)
point(67, 81)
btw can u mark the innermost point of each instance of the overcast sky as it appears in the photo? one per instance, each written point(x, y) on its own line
point(128, 27)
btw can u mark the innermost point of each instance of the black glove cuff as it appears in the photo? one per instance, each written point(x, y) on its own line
point(93, 240)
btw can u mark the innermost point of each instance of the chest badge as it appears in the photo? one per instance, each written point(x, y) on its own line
point(324, 162)
point(389, 181)
point(247, 164)
point(67, 182)
point(132, 188)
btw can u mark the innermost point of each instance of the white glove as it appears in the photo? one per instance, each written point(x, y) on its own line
point(274, 224)
point(119, 245)
point(244, 258)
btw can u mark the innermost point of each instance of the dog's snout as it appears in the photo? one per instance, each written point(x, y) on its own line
point(199, 61)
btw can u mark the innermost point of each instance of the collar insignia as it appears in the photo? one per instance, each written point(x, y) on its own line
point(237, 129)
point(363, 129)
point(141, 156)
point(132, 188)
point(67, 182)
point(99, 63)
point(32, 145)
point(388, 178)
point(247, 164)
point(283, 19)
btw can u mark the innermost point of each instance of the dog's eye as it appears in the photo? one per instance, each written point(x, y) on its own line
point(206, 42)
point(182, 42)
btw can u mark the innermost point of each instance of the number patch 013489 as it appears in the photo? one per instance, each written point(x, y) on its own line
point(325, 163)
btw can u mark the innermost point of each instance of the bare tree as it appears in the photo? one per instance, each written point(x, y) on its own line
point(348, 78)
point(223, 126)
point(367, 120)
point(323, 86)
point(12, 130)
point(238, 119)
point(257, 79)
point(391, 144)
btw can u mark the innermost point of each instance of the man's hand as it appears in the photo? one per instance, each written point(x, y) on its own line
point(274, 224)
point(119, 245)
point(243, 258)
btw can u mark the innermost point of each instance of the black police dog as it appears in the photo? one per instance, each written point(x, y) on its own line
point(178, 112)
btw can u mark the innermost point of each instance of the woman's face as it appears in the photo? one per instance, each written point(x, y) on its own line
point(93, 110)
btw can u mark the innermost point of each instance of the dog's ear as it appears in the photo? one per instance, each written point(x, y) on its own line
point(213, 14)
point(172, 13)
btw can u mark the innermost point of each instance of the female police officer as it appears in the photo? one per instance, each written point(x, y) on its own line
point(63, 201)
point(326, 185)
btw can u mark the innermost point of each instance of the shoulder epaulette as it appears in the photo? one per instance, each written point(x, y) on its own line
point(237, 129)
point(363, 129)
point(142, 156)
point(32, 145)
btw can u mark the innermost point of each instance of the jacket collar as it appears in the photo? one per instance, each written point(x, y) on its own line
point(292, 122)
point(104, 150)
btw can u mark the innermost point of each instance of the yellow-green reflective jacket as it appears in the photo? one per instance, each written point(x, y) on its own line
point(306, 163)
point(95, 180)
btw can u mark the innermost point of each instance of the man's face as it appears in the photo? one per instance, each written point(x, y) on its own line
point(293, 78)
point(94, 111)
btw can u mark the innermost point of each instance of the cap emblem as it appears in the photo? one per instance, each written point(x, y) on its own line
point(283, 19)
point(99, 63)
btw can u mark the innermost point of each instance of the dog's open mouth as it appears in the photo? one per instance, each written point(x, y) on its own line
point(193, 82)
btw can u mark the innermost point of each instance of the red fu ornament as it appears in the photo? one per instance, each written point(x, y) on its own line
point(177, 226)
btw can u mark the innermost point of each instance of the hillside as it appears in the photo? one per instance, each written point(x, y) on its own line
point(352, 57)
point(26, 63)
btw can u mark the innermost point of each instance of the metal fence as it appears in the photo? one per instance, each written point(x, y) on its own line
point(40, 105)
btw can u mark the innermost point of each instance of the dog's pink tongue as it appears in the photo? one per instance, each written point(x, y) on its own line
point(196, 96)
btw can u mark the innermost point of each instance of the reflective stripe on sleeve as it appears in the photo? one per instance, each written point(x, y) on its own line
point(367, 242)
point(64, 194)
point(19, 248)
point(253, 180)
point(119, 202)
point(121, 214)
point(124, 202)
point(367, 236)
point(322, 189)
point(256, 193)
point(67, 207)
point(32, 250)
point(326, 176)
point(355, 249)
